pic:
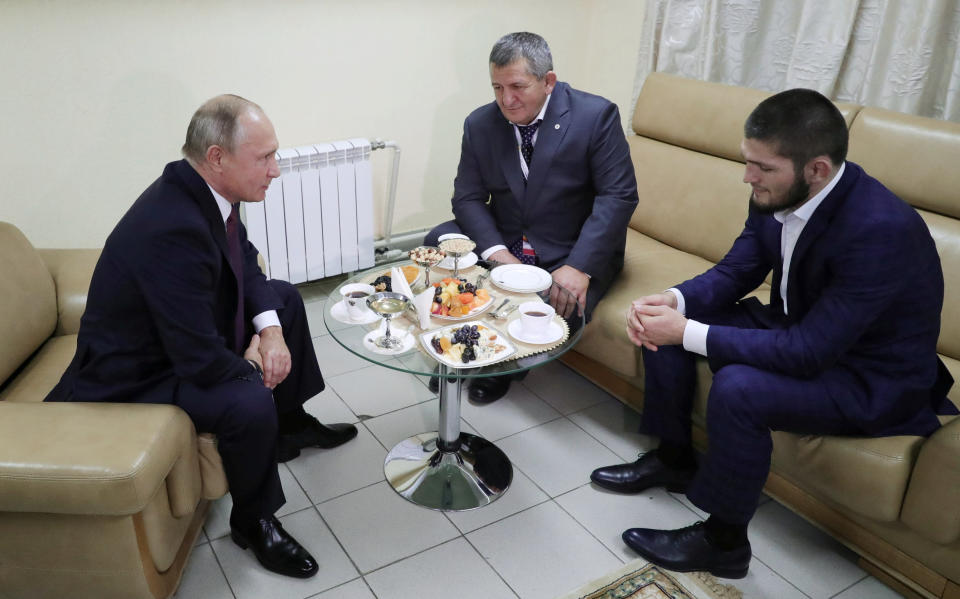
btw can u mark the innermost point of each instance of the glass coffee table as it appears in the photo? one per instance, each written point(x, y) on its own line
point(448, 469)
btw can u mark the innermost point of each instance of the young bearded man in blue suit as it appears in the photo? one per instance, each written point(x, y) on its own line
point(179, 312)
point(847, 345)
point(545, 178)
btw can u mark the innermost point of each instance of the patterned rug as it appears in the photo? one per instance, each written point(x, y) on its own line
point(642, 580)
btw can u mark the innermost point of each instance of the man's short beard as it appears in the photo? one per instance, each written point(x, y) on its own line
point(796, 195)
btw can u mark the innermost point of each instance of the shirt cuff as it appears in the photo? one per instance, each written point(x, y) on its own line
point(681, 305)
point(491, 250)
point(266, 319)
point(695, 337)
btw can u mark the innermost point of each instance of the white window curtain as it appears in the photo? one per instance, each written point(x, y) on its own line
point(897, 54)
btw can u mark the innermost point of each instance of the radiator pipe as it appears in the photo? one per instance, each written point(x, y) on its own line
point(379, 144)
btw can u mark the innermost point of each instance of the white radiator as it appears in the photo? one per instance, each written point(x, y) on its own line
point(317, 219)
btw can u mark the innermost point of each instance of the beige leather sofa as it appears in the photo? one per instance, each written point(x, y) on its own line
point(895, 501)
point(96, 500)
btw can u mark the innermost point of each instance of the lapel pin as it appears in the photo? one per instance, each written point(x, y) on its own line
point(556, 126)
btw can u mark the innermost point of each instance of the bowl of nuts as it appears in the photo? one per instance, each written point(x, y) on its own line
point(427, 256)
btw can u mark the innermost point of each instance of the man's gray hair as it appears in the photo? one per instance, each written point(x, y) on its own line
point(215, 124)
point(523, 44)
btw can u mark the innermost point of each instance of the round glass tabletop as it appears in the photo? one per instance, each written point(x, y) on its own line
point(419, 345)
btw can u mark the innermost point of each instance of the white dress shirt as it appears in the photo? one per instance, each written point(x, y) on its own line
point(793, 220)
point(264, 319)
point(523, 165)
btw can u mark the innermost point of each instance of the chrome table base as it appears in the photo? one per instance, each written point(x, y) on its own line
point(448, 470)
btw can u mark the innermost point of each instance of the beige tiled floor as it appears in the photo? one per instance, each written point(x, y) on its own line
point(550, 533)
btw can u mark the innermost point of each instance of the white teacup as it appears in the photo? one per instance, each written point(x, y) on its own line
point(535, 318)
point(355, 298)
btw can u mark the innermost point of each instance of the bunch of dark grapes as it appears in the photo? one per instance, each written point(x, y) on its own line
point(469, 336)
point(438, 291)
point(382, 283)
point(466, 287)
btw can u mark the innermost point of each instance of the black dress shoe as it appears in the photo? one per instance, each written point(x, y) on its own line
point(313, 434)
point(688, 550)
point(275, 548)
point(645, 473)
point(489, 389)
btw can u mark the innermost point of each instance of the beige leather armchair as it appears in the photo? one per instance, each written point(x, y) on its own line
point(96, 500)
point(895, 500)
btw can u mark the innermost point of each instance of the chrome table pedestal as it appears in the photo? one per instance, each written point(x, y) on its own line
point(448, 470)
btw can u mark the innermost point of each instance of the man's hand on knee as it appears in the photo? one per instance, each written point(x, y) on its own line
point(274, 355)
point(574, 281)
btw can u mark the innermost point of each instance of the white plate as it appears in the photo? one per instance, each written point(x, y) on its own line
point(465, 262)
point(425, 338)
point(521, 278)
point(553, 333)
point(408, 341)
point(468, 315)
point(339, 311)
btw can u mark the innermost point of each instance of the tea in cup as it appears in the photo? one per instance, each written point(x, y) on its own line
point(355, 298)
point(535, 318)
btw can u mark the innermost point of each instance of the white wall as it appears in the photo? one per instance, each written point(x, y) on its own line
point(97, 94)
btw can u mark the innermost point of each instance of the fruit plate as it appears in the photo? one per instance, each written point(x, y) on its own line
point(495, 346)
point(471, 314)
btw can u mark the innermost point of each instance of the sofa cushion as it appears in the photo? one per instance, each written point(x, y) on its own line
point(673, 109)
point(868, 475)
point(915, 157)
point(28, 300)
point(946, 233)
point(43, 371)
point(690, 201)
point(96, 458)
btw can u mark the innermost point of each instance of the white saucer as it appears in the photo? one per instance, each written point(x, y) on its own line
point(553, 333)
point(408, 341)
point(466, 261)
point(339, 311)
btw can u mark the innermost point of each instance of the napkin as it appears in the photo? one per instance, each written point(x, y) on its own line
point(399, 283)
point(423, 303)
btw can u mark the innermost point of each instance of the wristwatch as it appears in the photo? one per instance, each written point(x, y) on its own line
point(257, 368)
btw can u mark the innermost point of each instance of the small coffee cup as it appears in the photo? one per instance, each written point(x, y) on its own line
point(535, 318)
point(355, 298)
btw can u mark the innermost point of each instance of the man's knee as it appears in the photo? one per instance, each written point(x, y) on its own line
point(252, 410)
point(733, 393)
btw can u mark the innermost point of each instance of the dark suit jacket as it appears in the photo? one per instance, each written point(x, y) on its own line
point(865, 294)
point(163, 298)
point(582, 191)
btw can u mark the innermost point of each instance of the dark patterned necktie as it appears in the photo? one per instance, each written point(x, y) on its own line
point(236, 261)
point(526, 140)
point(523, 251)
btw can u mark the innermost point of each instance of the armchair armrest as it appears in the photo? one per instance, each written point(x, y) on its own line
point(932, 504)
point(71, 271)
point(96, 458)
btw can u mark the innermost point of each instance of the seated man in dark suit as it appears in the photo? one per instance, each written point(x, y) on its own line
point(545, 178)
point(171, 313)
point(847, 345)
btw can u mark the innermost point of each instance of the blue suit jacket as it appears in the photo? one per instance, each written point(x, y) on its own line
point(579, 198)
point(865, 294)
point(163, 298)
